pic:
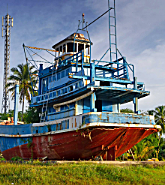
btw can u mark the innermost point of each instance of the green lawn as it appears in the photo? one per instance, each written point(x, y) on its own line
point(80, 174)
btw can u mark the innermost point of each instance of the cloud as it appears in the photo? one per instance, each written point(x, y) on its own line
point(149, 68)
point(140, 34)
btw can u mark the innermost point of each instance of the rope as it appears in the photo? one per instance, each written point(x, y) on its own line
point(97, 18)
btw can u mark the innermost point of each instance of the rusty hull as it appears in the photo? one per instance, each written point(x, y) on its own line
point(81, 144)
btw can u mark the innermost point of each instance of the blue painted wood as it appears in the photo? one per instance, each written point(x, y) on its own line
point(15, 129)
point(10, 142)
point(118, 118)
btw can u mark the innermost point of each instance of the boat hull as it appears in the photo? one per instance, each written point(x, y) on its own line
point(80, 144)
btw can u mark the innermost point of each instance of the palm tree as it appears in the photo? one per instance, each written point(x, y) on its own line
point(159, 114)
point(160, 117)
point(147, 148)
point(22, 75)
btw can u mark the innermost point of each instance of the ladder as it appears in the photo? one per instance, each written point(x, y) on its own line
point(44, 110)
point(112, 33)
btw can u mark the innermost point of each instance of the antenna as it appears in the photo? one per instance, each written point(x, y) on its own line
point(7, 23)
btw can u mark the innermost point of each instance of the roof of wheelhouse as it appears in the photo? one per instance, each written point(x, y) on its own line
point(79, 37)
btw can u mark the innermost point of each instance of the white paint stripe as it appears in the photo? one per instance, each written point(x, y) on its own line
point(73, 100)
point(7, 135)
point(87, 126)
point(121, 125)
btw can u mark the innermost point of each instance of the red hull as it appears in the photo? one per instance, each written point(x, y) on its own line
point(80, 144)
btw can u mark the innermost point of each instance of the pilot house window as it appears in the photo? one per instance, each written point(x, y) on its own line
point(70, 47)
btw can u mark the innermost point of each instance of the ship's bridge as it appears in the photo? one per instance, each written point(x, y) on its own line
point(71, 45)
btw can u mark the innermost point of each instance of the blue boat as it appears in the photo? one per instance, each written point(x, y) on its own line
point(79, 101)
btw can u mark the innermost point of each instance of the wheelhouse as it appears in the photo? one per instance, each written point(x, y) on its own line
point(75, 84)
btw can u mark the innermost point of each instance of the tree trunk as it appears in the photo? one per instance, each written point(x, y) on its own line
point(22, 107)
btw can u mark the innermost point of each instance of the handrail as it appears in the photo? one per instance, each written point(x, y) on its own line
point(70, 58)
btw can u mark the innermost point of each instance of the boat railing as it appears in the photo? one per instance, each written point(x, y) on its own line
point(76, 58)
point(119, 69)
point(57, 93)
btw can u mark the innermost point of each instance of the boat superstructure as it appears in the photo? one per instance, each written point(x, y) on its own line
point(79, 101)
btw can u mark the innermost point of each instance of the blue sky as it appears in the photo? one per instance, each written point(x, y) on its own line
point(140, 35)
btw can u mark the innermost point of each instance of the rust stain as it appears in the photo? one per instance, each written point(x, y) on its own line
point(75, 123)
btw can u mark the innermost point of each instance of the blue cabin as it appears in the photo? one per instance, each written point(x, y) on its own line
point(76, 84)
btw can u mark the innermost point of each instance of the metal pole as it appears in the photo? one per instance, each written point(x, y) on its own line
point(109, 30)
point(16, 103)
point(135, 100)
point(92, 82)
point(7, 23)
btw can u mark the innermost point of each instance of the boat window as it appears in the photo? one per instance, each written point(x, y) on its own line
point(72, 105)
point(71, 88)
point(104, 83)
point(80, 47)
point(54, 93)
point(44, 85)
point(74, 86)
point(79, 68)
point(50, 79)
point(73, 69)
point(58, 76)
point(57, 109)
point(87, 71)
point(88, 49)
point(63, 91)
point(60, 51)
point(64, 48)
point(62, 108)
point(67, 71)
point(50, 95)
point(44, 82)
point(54, 77)
point(57, 49)
point(77, 85)
point(62, 74)
point(70, 47)
point(60, 48)
point(58, 92)
point(98, 105)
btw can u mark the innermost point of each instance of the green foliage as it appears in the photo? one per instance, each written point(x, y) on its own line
point(16, 158)
point(159, 114)
point(2, 159)
point(147, 148)
point(4, 116)
point(21, 73)
point(29, 142)
point(126, 110)
point(80, 174)
point(31, 115)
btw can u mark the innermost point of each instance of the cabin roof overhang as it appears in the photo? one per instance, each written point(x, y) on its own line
point(79, 37)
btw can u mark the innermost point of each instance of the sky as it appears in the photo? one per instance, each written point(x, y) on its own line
point(140, 35)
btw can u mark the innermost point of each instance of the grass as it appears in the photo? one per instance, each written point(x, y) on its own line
point(38, 173)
